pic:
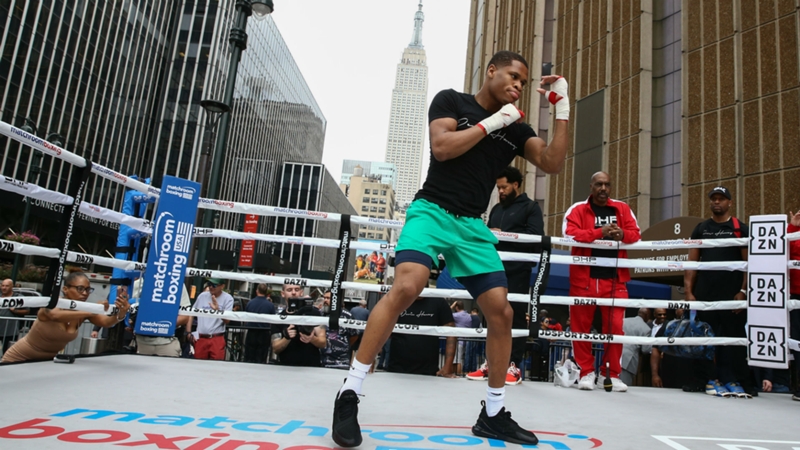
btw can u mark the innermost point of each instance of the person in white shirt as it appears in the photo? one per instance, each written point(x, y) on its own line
point(210, 341)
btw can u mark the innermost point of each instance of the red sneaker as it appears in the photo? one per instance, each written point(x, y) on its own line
point(513, 375)
point(481, 374)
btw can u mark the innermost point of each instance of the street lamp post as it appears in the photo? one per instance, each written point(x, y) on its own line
point(238, 40)
point(214, 109)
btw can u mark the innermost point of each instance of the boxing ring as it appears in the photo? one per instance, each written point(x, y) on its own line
point(138, 401)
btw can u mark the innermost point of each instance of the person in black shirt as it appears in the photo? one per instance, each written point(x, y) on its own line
point(298, 345)
point(473, 138)
point(256, 345)
point(726, 374)
point(516, 213)
point(418, 354)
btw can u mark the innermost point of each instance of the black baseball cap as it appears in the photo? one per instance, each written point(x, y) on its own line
point(720, 190)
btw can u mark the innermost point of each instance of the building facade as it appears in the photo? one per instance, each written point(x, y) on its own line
point(308, 187)
point(94, 73)
point(371, 198)
point(670, 97)
point(514, 25)
point(383, 171)
point(406, 139)
point(122, 83)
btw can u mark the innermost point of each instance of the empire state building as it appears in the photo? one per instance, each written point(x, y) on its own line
point(404, 144)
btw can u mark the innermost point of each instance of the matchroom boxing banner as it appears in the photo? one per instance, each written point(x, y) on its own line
point(173, 226)
point(768, 292)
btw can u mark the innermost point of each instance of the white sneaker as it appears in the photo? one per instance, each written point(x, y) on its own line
point(586, 383)
point(617, 385)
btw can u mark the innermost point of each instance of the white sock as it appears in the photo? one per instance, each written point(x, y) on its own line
point(494, 400)
point(355, 377)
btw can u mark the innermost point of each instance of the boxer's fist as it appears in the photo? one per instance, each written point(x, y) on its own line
point(507, 115)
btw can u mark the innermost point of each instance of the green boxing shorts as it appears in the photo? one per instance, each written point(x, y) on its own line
point(467, 244)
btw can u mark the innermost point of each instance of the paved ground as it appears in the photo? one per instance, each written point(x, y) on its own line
point(129, 401)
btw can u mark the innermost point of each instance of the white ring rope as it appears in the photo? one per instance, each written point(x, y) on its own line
point(144, 226)
point(641, 303)
point(37, 302)
point(83, 258)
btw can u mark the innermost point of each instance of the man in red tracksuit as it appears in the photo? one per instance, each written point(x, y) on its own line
point(599, 218)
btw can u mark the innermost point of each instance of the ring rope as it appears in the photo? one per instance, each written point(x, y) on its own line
point(32, 250)
point(35, 191)
point(34, 302)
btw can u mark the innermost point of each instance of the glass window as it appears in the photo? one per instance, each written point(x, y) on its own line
point(371, 236)
point(364, 208)
point(383, 192)
point(374, 192)
point(366, 191)
point(361, 235)
point(365, 200)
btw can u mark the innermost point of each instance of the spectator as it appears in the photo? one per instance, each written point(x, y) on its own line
point(599, 217)
point(380, 267)
point(338, 349)
point(673, 371)
point(209, 340)
point(516, 213)
point(659, 321)
point(729, 369)
point(462, 320)
point(418, 354)
point(161, 345)
point(634, 326)
point(474, 348)
point(298, 345)
point(54, 328)
point(360, 312)
point(794, 290)
point(8, 328)
point(257, 343)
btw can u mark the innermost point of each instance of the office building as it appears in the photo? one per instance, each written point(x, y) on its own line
point(122, 83)
point(309, 187)
point(671, 98)
point(405, 142)
point(371, 197)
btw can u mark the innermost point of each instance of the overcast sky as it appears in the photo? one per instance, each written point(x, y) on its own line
point(348, 52)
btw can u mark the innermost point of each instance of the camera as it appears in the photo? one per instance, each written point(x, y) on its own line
point(302, 306)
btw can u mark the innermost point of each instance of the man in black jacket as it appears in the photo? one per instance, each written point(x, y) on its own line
point(516, 213)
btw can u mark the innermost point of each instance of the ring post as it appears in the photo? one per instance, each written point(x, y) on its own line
point(768, 292)
point(76, 189)
point(342, 263)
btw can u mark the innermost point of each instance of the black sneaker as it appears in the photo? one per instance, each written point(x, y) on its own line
point(502, 427)
point(796, 396)
point(345, 431)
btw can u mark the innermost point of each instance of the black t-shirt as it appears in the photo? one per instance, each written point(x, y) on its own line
point(419, 354)
point(464, 185)
point(718, 284)
point(603, 215)
point(298, 353)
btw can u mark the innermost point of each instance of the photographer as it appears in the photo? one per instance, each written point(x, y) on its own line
point(298, 345)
